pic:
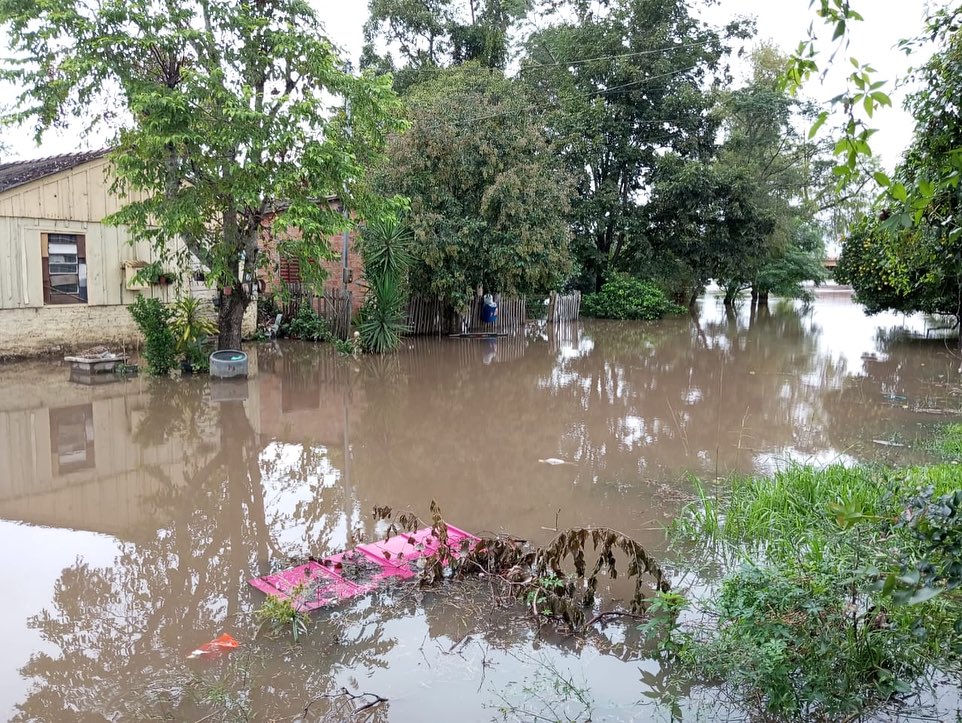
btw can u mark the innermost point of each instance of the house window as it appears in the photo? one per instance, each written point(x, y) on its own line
point(64, 258)
point(289, 270)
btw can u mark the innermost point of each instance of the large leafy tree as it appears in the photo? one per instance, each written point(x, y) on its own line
point(221, 127)
point(699, 220)
point(412, 38)
point(623, 82)
point(909, 258)
point(786, 189)
point(489, 200)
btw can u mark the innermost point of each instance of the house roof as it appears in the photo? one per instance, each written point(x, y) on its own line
point(17, 173)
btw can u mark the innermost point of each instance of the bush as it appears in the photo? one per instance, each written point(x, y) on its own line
point(160, 347)
point(307, 325)
point(192, 330)
point(625, 297)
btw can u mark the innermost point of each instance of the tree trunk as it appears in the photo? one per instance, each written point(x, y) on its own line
point(230, 317)
point(763, 297)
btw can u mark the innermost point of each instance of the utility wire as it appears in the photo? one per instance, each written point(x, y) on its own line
point(584, 96)
point(580, 61)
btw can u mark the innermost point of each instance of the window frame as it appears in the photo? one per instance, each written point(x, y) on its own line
point(52, 297)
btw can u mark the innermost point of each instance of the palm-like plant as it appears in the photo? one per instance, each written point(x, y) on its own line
point(382, 320)
point(191, 330)
point(386, 248)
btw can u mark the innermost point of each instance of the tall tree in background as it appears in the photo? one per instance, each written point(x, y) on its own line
point(781, 168)
point(413, 37)
point(623, 82)
point(489, 200)
point(221, 124)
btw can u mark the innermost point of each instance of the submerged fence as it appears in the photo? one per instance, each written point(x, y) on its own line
point(430, 315)
point(562, 308)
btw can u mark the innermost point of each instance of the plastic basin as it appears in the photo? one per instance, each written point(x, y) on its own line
point(228, 363)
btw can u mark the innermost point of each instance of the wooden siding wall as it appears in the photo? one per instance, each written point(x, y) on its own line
point(74, 201)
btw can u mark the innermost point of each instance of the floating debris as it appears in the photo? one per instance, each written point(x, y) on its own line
point(328, 580)
point(224, 644)
point(552, 461)
point(884, 443)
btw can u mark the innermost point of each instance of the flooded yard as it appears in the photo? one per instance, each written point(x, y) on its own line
point(132, 513)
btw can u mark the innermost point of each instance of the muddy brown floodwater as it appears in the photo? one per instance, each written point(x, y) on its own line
point(132, 513)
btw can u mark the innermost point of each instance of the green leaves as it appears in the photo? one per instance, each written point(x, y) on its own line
point(228, 133)
point(488, 200)
point(624, 297)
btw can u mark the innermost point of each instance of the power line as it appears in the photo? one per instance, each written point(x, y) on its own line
point(568, 63)
point(633, 84)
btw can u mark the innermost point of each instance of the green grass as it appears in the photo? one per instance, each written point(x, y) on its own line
point(811, 617)
point(947, 442)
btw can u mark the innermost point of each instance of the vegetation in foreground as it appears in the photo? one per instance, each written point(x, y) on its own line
point(838, 592)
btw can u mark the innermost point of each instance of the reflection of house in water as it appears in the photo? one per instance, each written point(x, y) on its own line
point(72, 439)
point(305, 396)
point(84, 458)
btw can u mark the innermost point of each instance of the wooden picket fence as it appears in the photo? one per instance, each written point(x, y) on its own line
point(562, 308)
point(429, 315)
point(334, 306)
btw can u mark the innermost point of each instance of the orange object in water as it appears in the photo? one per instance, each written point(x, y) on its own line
point(216, 646)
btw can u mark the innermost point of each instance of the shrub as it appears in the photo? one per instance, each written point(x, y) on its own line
point(192, 330)
point(160, 346)
point(625, 297)
point(307, 325)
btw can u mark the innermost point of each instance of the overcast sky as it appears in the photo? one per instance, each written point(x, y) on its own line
point(783, 21)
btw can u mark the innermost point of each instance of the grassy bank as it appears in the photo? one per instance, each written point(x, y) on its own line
point(835, 590)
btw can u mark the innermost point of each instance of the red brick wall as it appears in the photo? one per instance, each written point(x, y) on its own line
point(281, 270)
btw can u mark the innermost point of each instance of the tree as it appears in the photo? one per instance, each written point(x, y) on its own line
point(909, 258)
point(782, 169)
point(700, 220)
point(424, 35)
point(623, 82)
point(222, 130)
point(489, 202)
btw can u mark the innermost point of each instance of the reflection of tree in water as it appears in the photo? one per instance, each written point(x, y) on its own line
point(125, 628)
point(695, 393)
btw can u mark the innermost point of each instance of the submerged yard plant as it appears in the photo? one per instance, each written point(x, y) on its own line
point(279, 617)
point(826, 610)
point(386, 248)
point(160, 344)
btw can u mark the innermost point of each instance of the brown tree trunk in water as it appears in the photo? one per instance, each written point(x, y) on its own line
point(230, 317)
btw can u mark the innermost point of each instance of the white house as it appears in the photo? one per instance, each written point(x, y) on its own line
point(65, 276)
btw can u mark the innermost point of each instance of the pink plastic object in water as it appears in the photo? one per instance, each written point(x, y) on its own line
point(358, 571)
